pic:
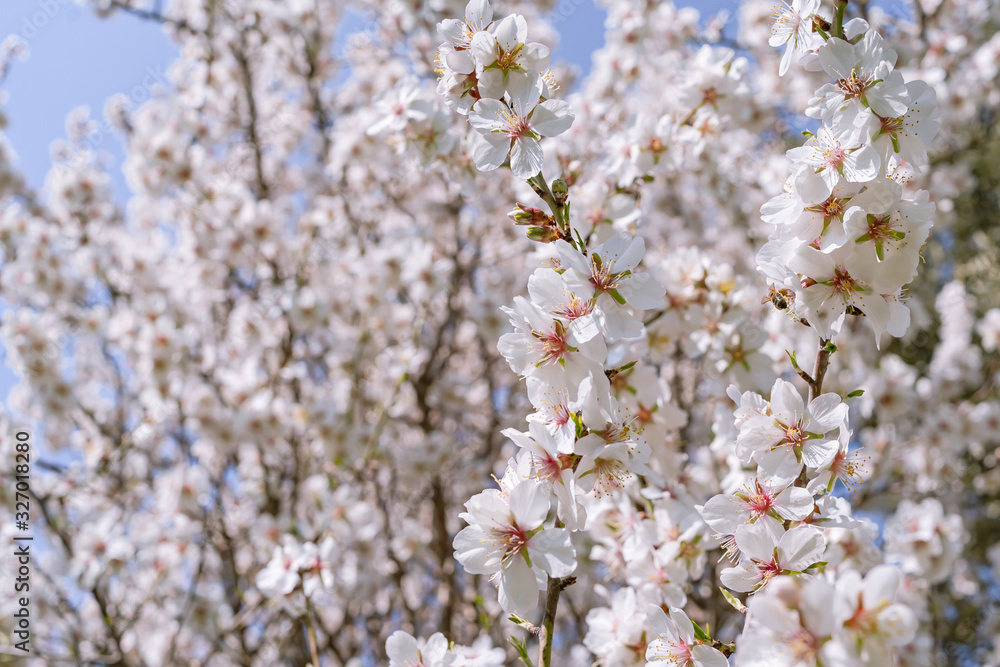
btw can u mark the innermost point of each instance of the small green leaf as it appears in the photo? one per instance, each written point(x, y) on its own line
point(856, 393)
point(734, 601)
point(522, 650)
point(700, 634)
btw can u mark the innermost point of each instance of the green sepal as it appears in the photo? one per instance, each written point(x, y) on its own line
point(616, 296)
point(856, 393)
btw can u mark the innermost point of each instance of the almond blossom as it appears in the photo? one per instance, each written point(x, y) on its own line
point(766, 553)
point(792, 27)
point(261, 374)
point(675, 642)
point(790, 434)
point(506, 540)
point(406, 651)
point(514, 126)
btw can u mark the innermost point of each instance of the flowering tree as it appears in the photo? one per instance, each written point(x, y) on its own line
point(743, 411)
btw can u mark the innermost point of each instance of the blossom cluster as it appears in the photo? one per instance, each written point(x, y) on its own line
point(265, 385)
point(580, 441)
point(773, 525)
point(848, 238)
point(811, 621)
point(492, 73)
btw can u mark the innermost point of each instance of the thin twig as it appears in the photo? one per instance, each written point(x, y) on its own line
point(555, 589)
point(819, 369)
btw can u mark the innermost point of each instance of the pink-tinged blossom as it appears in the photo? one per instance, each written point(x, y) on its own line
point(873, 622)
point(792, 434)
point(725, 513)
point(810, 213)
point(892, 234)
point(765, 554)
point(838, 156)
point(281, 575)
point(514, 127)
point(792, 27)
point(792, 623)
point(506, 59)
point(547, 347)
point(865, 87)
point(904, 139)
point(847, 278)
point(506, 540)
point(553, 463)
point(675, 644)
point(608, 271)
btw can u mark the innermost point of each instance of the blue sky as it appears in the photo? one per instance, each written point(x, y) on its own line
point(78, 59)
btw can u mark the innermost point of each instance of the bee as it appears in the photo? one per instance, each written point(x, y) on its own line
point(819, 23)
point(854, 310)
point(779, 298)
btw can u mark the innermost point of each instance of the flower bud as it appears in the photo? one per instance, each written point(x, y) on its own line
point(560, 191)
point(543, 234)
point(527, 215)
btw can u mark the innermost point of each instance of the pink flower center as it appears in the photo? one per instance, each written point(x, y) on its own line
point(511, 539)
point(834, 156)
point(759, 500)
point(602, 279)
point(554, 346)
point(574, 308)
point(768, 570)
point(560, 415)
point(548, 467)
